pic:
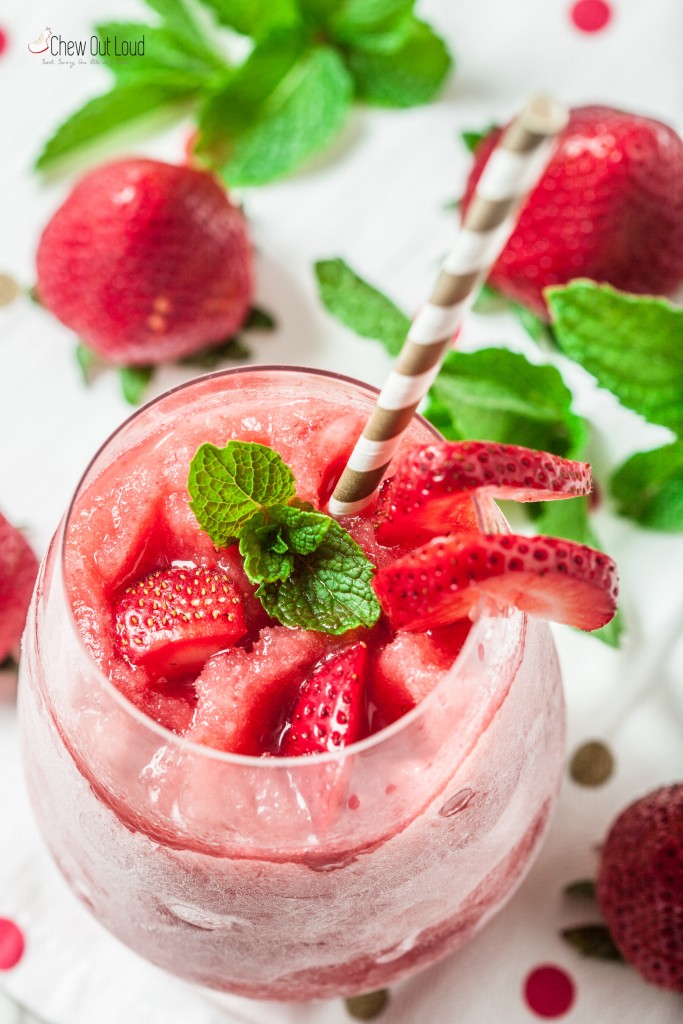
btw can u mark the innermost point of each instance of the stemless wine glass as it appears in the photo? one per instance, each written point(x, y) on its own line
point(286, 878)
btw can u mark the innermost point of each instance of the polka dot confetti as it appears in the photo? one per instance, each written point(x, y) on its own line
point(11, 944)
point(549, 991)
point(591, 15)
point(9, 287)
point(592, 764)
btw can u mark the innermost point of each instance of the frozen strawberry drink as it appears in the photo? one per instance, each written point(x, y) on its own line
point(282, 755)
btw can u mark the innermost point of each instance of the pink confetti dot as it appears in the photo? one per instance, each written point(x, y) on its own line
point(549, 991)
point(3, 41)
point(11, 944)
point(591, 15)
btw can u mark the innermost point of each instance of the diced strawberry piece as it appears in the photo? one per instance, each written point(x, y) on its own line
point(243, 695)
point(408, 668)
point(18, 570)
point(448, 577)
point(429, 493)
point(172, 620)
point(329, 712)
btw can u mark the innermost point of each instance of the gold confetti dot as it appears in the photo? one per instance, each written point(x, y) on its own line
point(368, 1006)
point(592, 764)
point(9, 289)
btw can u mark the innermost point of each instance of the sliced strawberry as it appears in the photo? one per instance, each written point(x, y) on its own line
point(172, 620)
point(429, 493)
point(18, 570)
point(449, 576)
point(329, 712)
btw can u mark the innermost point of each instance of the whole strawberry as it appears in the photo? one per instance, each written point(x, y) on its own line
point(146, 262)
point(640, 885)
point(609, 206)
point(18, 570)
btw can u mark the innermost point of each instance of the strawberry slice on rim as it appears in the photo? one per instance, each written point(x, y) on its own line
point(430, 492)
point(448, 577)
point(172, 620)
point(329, 712)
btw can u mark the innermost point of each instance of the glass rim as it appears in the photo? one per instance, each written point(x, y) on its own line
point(183, 744)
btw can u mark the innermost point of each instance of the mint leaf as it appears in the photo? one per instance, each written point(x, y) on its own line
point(272, 537)
point(162, 52)
point(259, 320)
point(179, 20)
point(125, 104)
point(632, 345)
point(329, 590)
point(317, 12)
point(266, 556)
point(251, 18)
point(304, 528)
point(497, 395)
point(213, 355)
point(648, 487)
point(593, 941)
point(235, 104)
point(87, 362)
point(373, 26)
point(360, 306)
point(134, 381)
point(229, 485)
point(472, 138)
point(569, 519)
point(301, 117)
point(403, 77)
point(354, 18)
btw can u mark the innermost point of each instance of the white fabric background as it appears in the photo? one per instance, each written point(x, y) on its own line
point(378, 198)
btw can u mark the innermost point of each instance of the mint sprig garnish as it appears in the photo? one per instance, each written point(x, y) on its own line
point(328, 590)
point(230, 485)
point(262, 117)
point(308, 570)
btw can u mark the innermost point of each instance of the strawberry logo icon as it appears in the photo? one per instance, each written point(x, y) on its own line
point(40, 44)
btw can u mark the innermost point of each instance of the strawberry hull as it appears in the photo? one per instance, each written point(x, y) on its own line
point(279, 878)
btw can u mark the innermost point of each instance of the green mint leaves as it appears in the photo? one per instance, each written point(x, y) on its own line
point(359, 306)
point(615, 335)
point(229, 485)
point(309, 571)
point(633, 346)
point(262, 117)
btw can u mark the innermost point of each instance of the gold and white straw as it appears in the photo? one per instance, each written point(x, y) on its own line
point(512, 170)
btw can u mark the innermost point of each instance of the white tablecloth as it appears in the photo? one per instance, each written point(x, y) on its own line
point(379, 199)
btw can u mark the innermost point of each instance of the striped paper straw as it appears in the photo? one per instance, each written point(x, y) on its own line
point(511, 171)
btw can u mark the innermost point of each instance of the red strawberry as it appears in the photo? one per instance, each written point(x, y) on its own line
point(146, 262)
point(18, 570)
point(640, 885)
point(329, 711)
point(609, 206)
point(449, 576)
point(429, 493)
point(172, 620)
